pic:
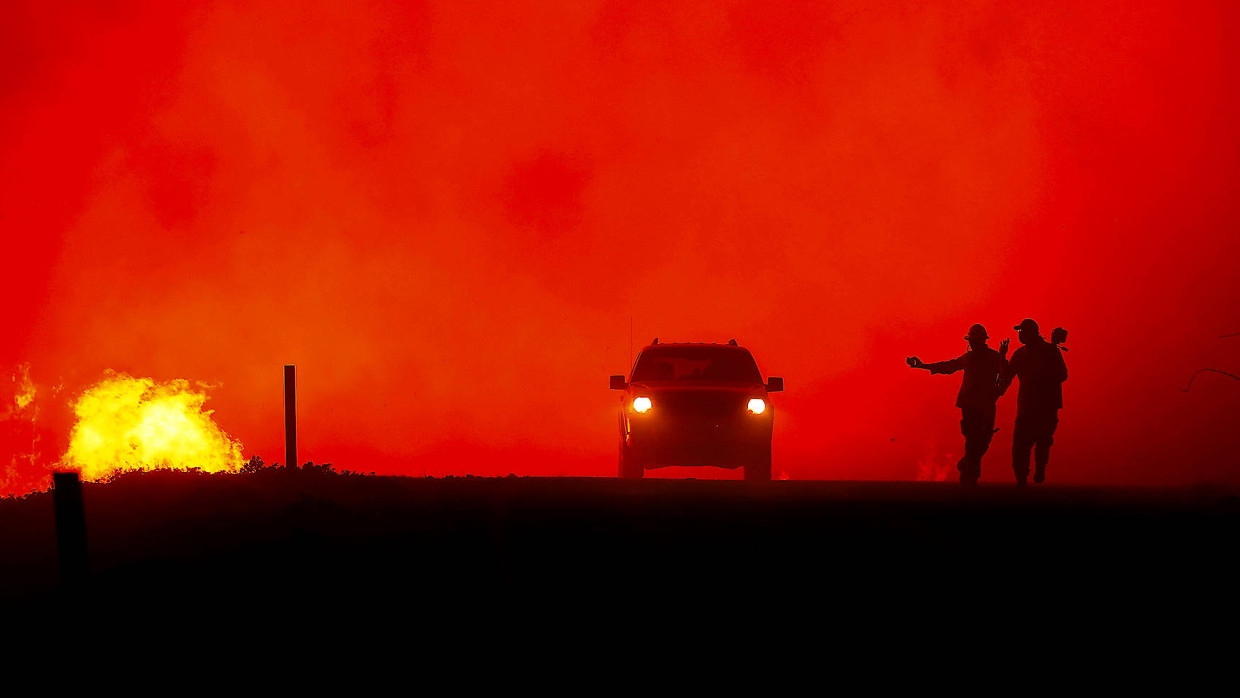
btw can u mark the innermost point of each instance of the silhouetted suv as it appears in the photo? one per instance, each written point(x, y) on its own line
point(696, 403)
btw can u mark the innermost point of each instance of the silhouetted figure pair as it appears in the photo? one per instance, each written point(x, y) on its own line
point(1040, 367)
point(1041, 370)
point(978, 394)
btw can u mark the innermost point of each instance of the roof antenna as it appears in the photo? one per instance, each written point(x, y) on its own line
point(732, 342)
point(656, 340)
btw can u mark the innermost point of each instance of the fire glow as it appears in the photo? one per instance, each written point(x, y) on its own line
point(127, 423)
point(24, 395)
point(19, 433)
point(932, 468)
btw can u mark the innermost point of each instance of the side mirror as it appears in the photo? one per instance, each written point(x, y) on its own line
point(618, 383)
point(774, 384)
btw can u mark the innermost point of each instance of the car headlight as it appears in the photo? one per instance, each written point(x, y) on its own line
point(756, 406)
point(642, 405)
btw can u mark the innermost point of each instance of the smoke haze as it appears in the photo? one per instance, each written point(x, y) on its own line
point(457, 219)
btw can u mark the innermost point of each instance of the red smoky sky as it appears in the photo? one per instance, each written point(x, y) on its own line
point(458, 218)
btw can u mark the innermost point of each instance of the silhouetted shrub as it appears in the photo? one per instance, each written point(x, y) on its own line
point(253, 465)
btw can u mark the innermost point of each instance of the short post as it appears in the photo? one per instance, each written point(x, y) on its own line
point(290, 416)
point(70, 529)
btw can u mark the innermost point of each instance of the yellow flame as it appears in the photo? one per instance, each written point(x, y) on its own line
point(24, 395)
point(126, 423)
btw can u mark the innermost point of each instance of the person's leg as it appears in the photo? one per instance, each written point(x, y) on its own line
point(977, 427)
point(1023, 438)
point(1042, 449)
point(985, 433)
point(964, 465)
point(981, 430)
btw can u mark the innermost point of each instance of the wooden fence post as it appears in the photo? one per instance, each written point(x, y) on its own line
point(290, 416)
point(70, 528)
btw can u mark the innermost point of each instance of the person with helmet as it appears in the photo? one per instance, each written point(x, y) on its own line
point(1041, 369)
point(982, 367)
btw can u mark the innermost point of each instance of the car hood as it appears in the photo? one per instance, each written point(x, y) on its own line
point(656, 388)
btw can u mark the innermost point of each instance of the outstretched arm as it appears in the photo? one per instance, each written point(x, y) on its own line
point(949, 366)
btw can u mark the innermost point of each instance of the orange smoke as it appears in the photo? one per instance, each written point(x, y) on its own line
point(126, 423)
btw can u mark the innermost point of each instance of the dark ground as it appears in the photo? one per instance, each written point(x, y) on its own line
point(364, 554)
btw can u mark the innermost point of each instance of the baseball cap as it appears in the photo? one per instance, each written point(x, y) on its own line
point(1027, 324)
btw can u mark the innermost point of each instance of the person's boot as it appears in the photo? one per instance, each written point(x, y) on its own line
point(968, 475)
point(1039, 474)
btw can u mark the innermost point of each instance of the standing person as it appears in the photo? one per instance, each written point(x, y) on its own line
point(1041, 369)
point(982, 367)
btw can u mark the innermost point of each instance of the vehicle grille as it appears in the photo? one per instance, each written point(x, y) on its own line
point(704, 405)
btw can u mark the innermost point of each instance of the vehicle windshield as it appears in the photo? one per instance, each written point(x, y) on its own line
point(696, 363)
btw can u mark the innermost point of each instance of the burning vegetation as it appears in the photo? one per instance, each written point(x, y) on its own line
point(19, 434)
point(126, 423)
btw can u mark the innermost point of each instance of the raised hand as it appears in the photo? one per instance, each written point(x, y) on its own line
point(914, 362)
point(1003, 348)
